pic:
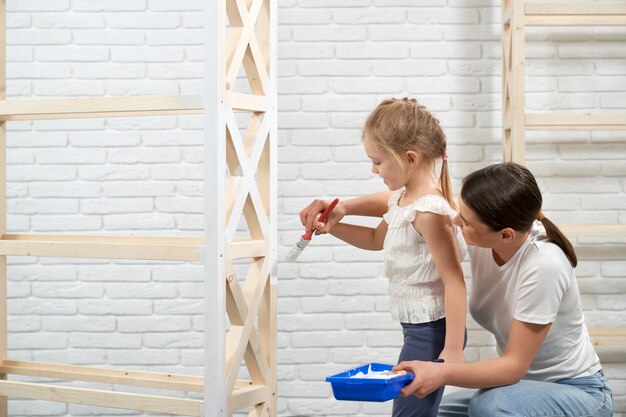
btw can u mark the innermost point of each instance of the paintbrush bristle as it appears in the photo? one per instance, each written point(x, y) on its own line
point(296, 250)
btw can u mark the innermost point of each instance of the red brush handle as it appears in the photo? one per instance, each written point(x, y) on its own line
point(330, 208)
point(322, 219)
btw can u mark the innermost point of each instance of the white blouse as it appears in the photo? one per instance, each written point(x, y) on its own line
point(416, 292)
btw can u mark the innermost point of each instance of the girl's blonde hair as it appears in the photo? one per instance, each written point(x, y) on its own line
point(398, 126)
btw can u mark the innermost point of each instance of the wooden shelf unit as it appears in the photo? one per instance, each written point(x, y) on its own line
point(516, 15)
point(238, 35)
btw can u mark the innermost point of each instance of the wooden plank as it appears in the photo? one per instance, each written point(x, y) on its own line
point(248, 396)
point(128, 106)
point(242, 248)
point(3, 202)
point(237, 309)
point(123, 247)
point(104, 375)
point(236, 58)
point(573, 20)
point(575, 121)
point(103, 247)
point(551, 9)
point(268, 338)
point(216, 95)
point(514, 83)
point(240, 337)
point(247, 102)
point(608, 337)
point(575, 14)
point(81, 107)
point(594, 230)
point(99, 398)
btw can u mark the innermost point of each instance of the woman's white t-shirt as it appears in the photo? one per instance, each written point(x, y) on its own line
point(537, 285)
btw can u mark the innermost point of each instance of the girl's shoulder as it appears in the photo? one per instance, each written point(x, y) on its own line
point(429, 203)
point(433, 203)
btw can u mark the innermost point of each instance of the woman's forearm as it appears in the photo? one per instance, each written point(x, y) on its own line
point(484, 374)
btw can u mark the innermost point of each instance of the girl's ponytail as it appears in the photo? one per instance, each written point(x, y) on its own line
point(445, 183)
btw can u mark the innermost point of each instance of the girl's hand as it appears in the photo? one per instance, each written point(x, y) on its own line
point(310, 215)
point(452, 355)
point(428, 377)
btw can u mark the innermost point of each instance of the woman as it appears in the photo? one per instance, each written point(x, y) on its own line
point(524, 291)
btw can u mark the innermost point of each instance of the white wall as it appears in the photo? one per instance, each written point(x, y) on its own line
point(337, 60)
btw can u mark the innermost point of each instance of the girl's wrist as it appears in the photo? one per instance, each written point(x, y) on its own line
point(446, 373)
point(343, 208)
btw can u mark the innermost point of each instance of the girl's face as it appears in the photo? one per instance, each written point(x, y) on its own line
point(475, 232)
point(385, 165)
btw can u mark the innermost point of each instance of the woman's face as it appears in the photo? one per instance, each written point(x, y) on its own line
point(475, 232)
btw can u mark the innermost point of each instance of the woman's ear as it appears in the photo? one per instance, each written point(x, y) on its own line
point(412, 157)
point(507, 235)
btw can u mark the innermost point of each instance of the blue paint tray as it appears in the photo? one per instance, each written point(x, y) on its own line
point(349, 388)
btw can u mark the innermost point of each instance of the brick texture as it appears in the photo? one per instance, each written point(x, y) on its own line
point(337, 60)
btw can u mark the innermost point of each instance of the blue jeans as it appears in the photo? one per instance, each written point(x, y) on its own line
point(579, 397)
point(424, 342)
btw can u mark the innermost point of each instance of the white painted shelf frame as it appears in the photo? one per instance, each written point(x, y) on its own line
point(240, 181)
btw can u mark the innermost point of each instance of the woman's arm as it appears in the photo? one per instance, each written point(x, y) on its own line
point(524, 342)
point(362, 237)
point(438, 233)
point(373, 205)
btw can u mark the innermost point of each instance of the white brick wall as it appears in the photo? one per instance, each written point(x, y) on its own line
point(337, 60)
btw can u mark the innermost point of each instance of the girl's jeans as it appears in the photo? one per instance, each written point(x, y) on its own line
point(579, 397)
point(422, 342)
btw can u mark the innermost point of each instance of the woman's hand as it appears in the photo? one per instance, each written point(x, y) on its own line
point(310, 215)
point(428, 377)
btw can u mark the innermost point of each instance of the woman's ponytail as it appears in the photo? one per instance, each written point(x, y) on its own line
point(558, 238)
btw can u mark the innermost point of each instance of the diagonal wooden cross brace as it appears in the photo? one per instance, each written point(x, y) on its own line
point(242, 308)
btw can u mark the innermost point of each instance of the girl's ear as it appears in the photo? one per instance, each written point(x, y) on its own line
point(412, 157)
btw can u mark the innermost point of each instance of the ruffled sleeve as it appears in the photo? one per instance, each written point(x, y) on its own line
point(392, 203)
point(433, 204)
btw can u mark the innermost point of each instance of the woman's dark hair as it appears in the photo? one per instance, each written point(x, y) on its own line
point(507, 195)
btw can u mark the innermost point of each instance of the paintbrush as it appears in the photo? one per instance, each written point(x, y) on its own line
point(306, 238)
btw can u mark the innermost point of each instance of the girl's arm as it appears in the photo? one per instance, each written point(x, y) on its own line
point(360, 236)
point(525, 340)
point(373, 205)
point(438, 233)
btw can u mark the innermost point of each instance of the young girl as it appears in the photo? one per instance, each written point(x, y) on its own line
point(423, 249)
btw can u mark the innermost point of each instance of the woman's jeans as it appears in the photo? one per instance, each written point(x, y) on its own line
point(579, 397)
point(422, 342)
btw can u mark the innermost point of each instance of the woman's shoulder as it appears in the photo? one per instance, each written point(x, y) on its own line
point(546, 261)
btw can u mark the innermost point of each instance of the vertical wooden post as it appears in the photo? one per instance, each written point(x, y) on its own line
point(272, 114)
point(513, 73)
point(215, 396)
point(3, 204)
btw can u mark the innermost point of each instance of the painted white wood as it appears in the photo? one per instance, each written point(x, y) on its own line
point(251, 193)
point(215, 396)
